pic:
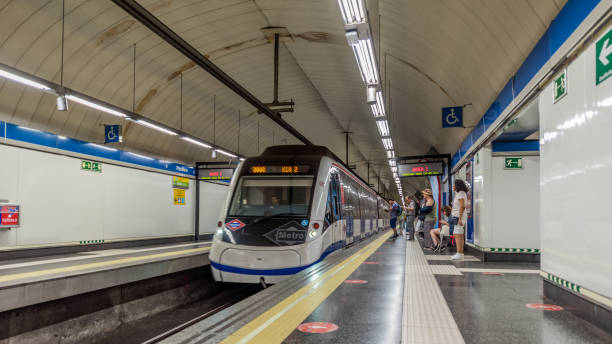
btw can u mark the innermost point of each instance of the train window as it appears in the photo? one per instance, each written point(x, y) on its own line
point(272, 195)
point(332, 211)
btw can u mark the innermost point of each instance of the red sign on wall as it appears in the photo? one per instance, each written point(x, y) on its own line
point(9, 216)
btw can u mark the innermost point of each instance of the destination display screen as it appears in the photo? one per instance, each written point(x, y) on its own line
point(421, 169)
point(216, 173)
point(281, 169)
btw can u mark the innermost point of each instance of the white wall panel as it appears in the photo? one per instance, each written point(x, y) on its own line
point(482, 202)
point(212, 200)
point(515, 204)
point(62, 203)
point(576, 165)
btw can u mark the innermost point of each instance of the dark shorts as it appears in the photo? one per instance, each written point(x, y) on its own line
point(452, 221)
point(393, 223)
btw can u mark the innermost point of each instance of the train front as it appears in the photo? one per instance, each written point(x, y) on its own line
point(265, 232)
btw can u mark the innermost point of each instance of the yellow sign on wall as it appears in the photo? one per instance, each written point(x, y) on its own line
point(180, 182)
point(179, 196)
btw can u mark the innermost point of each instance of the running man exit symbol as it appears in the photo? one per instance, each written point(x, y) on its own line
point(112, 133)
point(513, 163)
point(560, 86)
point(452, 117)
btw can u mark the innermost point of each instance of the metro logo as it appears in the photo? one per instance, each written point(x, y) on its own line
point(234, 225)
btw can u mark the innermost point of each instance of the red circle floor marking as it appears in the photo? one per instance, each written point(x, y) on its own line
point(370, 262)
point(317, 327)
point(355, 281)
point(544, 307)
point(492, 273)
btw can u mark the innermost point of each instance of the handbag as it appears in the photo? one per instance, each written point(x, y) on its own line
point(419, 226)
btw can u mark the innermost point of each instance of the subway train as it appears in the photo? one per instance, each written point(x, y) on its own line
point(288, 209)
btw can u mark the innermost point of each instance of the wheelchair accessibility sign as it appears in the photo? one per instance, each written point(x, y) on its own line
point(452, 117)
point(112, 133)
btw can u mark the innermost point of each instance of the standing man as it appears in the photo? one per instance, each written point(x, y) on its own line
point(410, 214)
point(395, 209)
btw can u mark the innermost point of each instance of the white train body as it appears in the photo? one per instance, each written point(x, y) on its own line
point(287, 210)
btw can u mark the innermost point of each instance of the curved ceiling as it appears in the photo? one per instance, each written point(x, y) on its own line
point(431, 54)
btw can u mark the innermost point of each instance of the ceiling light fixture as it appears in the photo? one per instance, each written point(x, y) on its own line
point(226, 153)
point(364, 53)
point(24, 81)
point(156, 127)
point(96, 106)
point(61, 104)
point(353, 11)
point(196, 142)
point(383, 127)
point(387, 143)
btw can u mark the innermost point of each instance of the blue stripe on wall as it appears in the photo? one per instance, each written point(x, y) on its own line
point(517, 146)
point(567, 21)
point(41, 138)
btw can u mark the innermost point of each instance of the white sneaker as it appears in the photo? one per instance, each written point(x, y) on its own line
point(457, 256)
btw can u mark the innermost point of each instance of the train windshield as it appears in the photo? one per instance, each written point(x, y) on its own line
point(272, 195)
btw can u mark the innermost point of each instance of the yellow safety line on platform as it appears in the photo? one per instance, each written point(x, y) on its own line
point(278, 322)
point(108, 263)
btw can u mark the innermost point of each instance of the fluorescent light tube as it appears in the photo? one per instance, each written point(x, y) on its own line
point(196, 142)
point(390, 154)
point(156, 127)
point(226, 153)
point(392, 163)
point(364, 53)
point(242, 159)
point(353, 11)
point(23, 81)
point(96, 106)
point(383, 127)
point(387, 143)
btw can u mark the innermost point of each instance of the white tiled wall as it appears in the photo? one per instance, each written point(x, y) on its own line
point(506, 202)
point(62, 203)
point(575, 179)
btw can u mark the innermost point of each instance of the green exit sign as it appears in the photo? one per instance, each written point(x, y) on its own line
point(560, 86)
point(513, 163)
point(603, 58)
point(91, 166)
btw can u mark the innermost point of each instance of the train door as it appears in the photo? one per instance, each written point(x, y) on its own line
point(362, 213)
point(348, 210)
point(335, 203)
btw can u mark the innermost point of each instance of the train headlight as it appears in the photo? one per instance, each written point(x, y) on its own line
point(219, 231)
point(313, 234)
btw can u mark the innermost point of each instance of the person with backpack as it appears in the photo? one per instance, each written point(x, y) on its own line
point(395, 212)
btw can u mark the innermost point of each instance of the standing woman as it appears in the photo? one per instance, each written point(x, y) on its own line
point(410, 214)
point(431, 216)
point(458, 218)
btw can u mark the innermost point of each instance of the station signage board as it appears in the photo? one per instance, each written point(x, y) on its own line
point(9, 216)
point(421, 169)
point(222, 174)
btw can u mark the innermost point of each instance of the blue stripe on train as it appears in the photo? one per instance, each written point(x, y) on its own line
point(277, 272)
